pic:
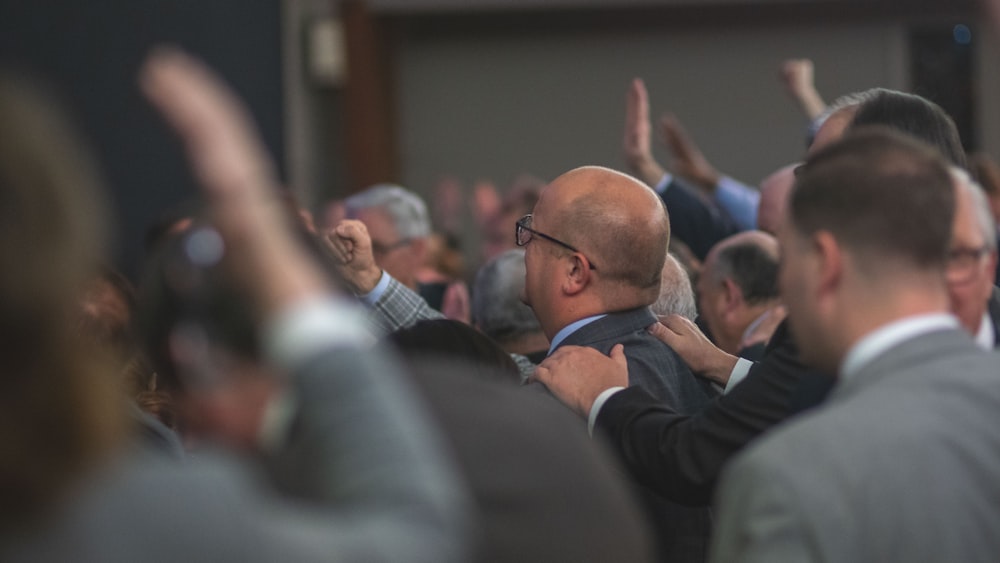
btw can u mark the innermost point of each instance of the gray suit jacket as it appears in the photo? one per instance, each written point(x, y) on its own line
point(362, 477)
point(900, 464)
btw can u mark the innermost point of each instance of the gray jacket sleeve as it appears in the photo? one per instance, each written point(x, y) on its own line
point(399, 307)
point(362, 442)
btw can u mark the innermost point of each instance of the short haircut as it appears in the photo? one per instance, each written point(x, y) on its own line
point(885, 196)
point(852, 100)
point(984, 218)
point(496, 299)
point(676, 293)
point(405, 209)
point(752, 268)
point(916, 116)
point(182, 295)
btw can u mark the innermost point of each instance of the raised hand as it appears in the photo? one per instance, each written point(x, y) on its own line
point(637, 143)
point(577, 375)
point(350, 246)
point(798, 77)
point(697, 351)
point(237, 177)
point(688, 160)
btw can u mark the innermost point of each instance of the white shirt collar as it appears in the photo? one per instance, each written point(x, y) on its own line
point(881, 339)
point(570, 329)
point(986, 336)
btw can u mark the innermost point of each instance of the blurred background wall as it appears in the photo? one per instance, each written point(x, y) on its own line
point(349, 92)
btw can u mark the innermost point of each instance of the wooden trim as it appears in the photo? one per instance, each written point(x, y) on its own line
point(369, 115)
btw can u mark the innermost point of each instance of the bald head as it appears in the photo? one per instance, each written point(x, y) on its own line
point(750, 259)
point(774, 192)
point(618, 222)
point(833, 127)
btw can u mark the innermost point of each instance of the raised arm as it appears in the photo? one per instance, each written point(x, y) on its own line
point(392, 305)
point(797, 75)
point(373, 459)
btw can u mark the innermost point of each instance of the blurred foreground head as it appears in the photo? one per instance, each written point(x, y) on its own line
point(58, 414)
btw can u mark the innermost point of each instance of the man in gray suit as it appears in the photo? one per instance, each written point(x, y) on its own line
point(900, 463)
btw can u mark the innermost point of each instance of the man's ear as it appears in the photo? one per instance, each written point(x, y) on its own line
point(577, 274)
point(829, 262)
point(733, 293)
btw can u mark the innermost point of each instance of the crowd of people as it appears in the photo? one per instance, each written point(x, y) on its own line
point(658, 365)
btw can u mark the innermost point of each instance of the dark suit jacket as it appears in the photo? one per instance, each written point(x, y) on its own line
point(682, 532)
point(681, 456)
point(545, 491)
point(652, 365)
point(695, 220)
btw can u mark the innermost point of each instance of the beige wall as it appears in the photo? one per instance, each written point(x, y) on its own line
point(497, 105)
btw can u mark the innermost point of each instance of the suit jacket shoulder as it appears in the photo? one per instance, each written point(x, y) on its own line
point(653, 365)
point(853, 480)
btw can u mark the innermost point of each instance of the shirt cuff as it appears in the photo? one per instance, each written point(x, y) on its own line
point(739, 200)
point(740, 371)
point(664, 183)
point(372, 297)
point(595, 409)
point(313, 325)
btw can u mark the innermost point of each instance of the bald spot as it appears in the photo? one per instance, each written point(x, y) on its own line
point(766, 242)
point(774, 192)
point(833, 128)
point(617, 221)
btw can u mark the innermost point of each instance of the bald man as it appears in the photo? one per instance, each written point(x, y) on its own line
point(594, 250)
point(738, 291)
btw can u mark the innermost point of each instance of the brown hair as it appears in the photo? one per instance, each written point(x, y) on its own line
point(57, 414)
point(884, 195)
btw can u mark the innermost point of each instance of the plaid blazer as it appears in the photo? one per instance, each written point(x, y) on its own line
point(401, 307)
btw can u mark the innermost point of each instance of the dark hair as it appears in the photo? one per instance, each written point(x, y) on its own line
point(884, 195)
point(445, 338)
point(916, 116)
point(184, 290)
point(753, 268)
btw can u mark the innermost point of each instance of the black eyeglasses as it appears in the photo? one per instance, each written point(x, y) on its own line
point(523, 234)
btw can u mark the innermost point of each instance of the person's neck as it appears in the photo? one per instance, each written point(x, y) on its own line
point(569, 311)
point(866, 316)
